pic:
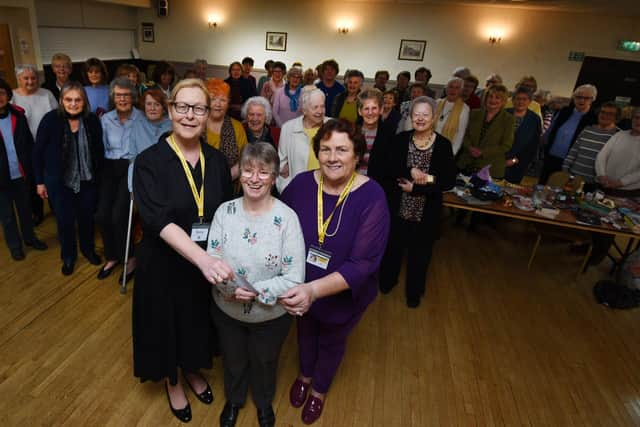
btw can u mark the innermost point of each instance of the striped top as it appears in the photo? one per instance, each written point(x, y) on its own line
point(581, 159)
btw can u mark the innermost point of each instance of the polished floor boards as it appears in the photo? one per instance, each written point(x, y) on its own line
point(492, 344)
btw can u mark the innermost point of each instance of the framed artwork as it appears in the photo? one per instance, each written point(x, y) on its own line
point(276, 41)
point(148, 34)
point(412, 50)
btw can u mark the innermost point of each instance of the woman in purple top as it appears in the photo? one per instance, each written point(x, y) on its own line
point(343, 256)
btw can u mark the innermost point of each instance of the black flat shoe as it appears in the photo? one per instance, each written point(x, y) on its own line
point(93, 259)
point(36, 244)
point(206, 396)
point(17, 254)
point(67, 268)
point(266, 417)
point(106, 272)
point(183, 414)
point(229, 415)
point(130, 275)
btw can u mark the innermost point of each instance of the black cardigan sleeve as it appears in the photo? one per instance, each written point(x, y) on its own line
point(442, 167)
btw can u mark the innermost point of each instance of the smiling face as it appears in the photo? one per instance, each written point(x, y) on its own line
point(314, 110)
point(152, 109)
point(257, 179)
point(353, 85)
point(402, 82)
point(188, 126)
point(389, 102)
point(73, 102)
point(635, 124)
point(337, 158)
point(28, 81)
point(219, 106)
point(422, 117)
point(454, 89)
point(370, 112)
point(277, 74)
point(256, 117)
point(165, 79)
point(583, 100)
point(94, 75)
point(329, 73)
point(381, 80)
point(521, 102)
point(495, 101)
point(122, 100)
point(294, 80)
point(62, 70)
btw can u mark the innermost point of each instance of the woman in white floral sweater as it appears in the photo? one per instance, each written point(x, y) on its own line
point(261, 240)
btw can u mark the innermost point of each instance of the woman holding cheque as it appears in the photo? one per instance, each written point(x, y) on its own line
point(261, 240)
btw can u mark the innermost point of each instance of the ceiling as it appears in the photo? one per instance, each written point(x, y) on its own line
point(608, 7)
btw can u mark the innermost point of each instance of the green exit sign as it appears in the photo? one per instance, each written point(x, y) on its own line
point(629, 45)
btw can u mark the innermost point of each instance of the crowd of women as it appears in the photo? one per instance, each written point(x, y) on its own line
point(255, 209)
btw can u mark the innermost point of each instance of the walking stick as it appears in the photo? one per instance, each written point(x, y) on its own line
point(123, 285)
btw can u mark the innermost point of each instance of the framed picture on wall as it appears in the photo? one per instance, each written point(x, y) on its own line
point(412, 50)
point(148, 34)
point(276, 41)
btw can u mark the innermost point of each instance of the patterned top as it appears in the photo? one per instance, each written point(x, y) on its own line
point(267, 250)
point(370, 138)
point(411, 207)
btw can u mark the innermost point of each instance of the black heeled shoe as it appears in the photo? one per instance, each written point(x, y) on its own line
point(206, 396)
point(67, 267)
point(183, 414)
point(266, 417)
point(229, 415)
point(105, 272)
point(130, 275)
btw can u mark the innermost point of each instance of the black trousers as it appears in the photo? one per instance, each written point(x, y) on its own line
point(418, 243)
point(16, 194)
point(551, 164)
point(71, 208)
point(113, 209)
point(250, 353)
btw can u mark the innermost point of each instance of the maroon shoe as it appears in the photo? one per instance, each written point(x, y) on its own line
point(312, 410)
point(298, 393)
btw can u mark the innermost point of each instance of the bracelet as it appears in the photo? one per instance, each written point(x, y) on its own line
point(313, 292)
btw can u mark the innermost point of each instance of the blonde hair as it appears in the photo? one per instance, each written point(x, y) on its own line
point(188, 83)
point(61, 57)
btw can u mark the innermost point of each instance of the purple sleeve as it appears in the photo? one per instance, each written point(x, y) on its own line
point(368, 246)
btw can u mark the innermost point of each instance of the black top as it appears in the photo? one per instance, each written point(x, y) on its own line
point(48, 153)
point(171, 298)
point(442, 167)
point(23, 142)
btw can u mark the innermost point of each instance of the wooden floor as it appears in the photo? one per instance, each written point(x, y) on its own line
point(492, 344)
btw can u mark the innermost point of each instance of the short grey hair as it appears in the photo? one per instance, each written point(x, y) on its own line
point(588, 88)
point(423, 100)
point(462, 72)
point(199, 61)
point(455, 79)
point(21, 68)
point(494, 76)
point(307, 93)
point(261, 153)
point(123, 83)
point(294, 70)
point(257, 100)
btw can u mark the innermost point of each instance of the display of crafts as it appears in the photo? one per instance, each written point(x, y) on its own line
point(588, 209)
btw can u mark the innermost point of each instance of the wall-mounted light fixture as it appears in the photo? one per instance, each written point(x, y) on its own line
point(494, 39)
point(213, 21)
point(344, 26)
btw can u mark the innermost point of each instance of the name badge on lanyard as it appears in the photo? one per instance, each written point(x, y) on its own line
point(318, 257)
point(200, 231)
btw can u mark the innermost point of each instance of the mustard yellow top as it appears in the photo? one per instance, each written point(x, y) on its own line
point(349, 111)
point(213, 139)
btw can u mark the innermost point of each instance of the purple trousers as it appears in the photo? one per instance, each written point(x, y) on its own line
point(322, 346)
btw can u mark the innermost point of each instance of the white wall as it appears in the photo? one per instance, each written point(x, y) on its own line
point(84, 14)
point(534, 42)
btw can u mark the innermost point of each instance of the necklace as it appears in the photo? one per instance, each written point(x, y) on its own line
point(423, 143)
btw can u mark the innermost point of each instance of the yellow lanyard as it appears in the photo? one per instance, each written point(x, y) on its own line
point(198, 197)
point(324, 226)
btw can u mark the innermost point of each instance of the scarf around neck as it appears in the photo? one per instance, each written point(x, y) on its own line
point(76, 157)
point(293, 99)
point(450, 127)
point(228, 144)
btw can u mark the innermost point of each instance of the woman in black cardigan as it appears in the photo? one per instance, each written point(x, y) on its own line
point(421, 166)
point(67, 157)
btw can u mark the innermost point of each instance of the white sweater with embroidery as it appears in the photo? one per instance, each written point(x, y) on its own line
point(267, 250)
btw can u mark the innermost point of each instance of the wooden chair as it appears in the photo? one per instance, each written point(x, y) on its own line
point(559, 179)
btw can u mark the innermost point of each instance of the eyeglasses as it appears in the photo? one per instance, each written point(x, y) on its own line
point(183, 108)
point(262, 175)
point(582, 98)
point(122, 95)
